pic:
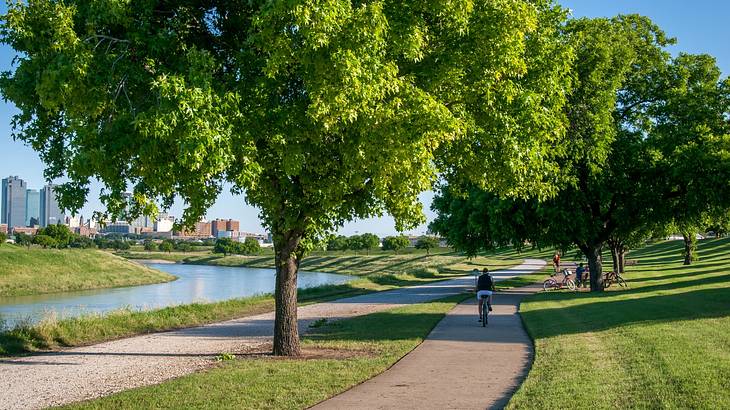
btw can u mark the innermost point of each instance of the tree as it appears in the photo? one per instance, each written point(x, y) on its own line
point(318, 113)
point(82, 242)
point(149, 245)
point(369, 241)
point(59, 232)
point(607, 166)
point(692, 140)
point(250, 247)
point(3, 238)
point(427, 243)
point(45, 241)
point(183, 246)
point(337, 243)
point(166, 246)
point(224, 246)
point(395, 243)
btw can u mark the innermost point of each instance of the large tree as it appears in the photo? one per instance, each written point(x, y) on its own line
point(318, 111)
point(604, 159)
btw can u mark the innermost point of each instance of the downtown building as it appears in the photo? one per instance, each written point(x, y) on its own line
point(50, 210)
point(13, 202)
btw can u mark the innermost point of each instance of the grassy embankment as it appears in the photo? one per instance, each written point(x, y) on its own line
point(338, 356)
point(664, 343)
point(32, 271)
point(376, 272)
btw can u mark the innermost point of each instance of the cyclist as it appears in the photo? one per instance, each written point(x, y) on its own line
point(485, 288)
point(579, 272)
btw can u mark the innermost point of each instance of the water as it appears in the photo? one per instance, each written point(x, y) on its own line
point(195, 283)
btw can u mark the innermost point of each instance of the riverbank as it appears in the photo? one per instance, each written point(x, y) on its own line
point(32, 271)
point(663, 343)
point(51, 333)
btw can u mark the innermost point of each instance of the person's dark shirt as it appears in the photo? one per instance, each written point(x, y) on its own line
point(485, 282)
point(580, 271)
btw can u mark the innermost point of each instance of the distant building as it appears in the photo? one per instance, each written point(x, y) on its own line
point(25, 230)
point(203, 229)
point(85, 231)
point(225, 228)
point(12, 202)
point(74, 221)
point(4, 228)
point(118, 227)
point(164, 223)
point(51, 213)
point(32, 207)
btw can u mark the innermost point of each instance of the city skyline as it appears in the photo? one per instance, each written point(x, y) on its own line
point(699, 29)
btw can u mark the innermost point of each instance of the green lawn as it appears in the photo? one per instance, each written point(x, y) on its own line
point(665, 343)
point(342, 354)
point(32, 271)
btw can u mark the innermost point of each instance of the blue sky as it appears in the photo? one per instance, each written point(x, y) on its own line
point(700, 26)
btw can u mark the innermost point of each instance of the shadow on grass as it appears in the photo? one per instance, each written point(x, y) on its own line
point(616, 311)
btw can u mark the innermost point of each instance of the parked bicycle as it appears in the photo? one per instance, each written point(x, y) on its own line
point(613, 277)
point(553, 284)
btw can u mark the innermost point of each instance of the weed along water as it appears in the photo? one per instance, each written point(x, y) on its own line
point(195, 283)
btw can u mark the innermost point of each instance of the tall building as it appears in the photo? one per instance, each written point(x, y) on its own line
point(32, 207)
point(219, 227)
point(13, 202)
point(51, 213)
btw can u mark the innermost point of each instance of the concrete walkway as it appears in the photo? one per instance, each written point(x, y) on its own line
point(93, 371)
point(461, 365)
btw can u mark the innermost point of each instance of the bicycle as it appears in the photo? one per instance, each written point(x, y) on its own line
point(551, 283)
point(611, 277)
point(483, 310)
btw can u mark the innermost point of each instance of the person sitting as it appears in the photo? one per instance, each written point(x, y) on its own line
point(485, 289)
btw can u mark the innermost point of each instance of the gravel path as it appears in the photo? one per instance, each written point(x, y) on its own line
point(87, 372)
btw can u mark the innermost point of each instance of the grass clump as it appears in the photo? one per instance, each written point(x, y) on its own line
point(664, 343)
point(357, 349)
point(31, 271)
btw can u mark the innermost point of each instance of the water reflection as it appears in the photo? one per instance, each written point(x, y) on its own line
point(196, 283)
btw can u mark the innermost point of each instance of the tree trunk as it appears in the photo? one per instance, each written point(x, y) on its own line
point(621, 260)
point(286, 332)
point(690, 243)
point(595, 265)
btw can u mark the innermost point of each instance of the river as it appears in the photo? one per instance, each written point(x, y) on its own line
point(195, 283)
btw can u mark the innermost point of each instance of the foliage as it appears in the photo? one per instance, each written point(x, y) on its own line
point(427, 243)
point(60, 233)
point(395, 243)
point(166, 245)
point(183, 246)
point(82, 242)
point(23, 239)
point(338, 243)
point(45, 241)
point(149, 245)
point(224, 246)
point(3, 238)
point(248, 247)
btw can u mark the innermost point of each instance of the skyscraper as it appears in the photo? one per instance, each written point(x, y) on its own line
point(13, 202)
point(32, 207)
point(51, 213)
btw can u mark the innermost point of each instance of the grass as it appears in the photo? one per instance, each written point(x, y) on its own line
point(341, 355)
point(664, 343)
point(30, 271)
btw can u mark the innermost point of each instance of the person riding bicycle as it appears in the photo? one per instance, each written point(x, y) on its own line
point(485, 288)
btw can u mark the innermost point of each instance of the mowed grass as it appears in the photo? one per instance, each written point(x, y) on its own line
point(664, 343)
point(343, 354)
point(33, 271)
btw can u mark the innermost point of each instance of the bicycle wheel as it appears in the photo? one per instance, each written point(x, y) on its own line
point(485, 312)
point(570, 284)
point(622, 282)
point(549, 284)
point(606, 282)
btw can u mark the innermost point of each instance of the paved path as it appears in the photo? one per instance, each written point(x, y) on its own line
point(87, 372)
point(461, 365)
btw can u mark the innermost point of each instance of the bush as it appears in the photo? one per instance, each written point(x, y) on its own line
point(249, 247)
point(183, 246)
point(149, 246)
point(45, 241)
point(3, 238)
point(224, 246)
point(166, 246)
point(81, 242)
point(60, 233)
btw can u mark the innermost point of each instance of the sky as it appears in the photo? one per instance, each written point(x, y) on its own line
point(700, 26)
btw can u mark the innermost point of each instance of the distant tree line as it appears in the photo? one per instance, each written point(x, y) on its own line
point(227, 246)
